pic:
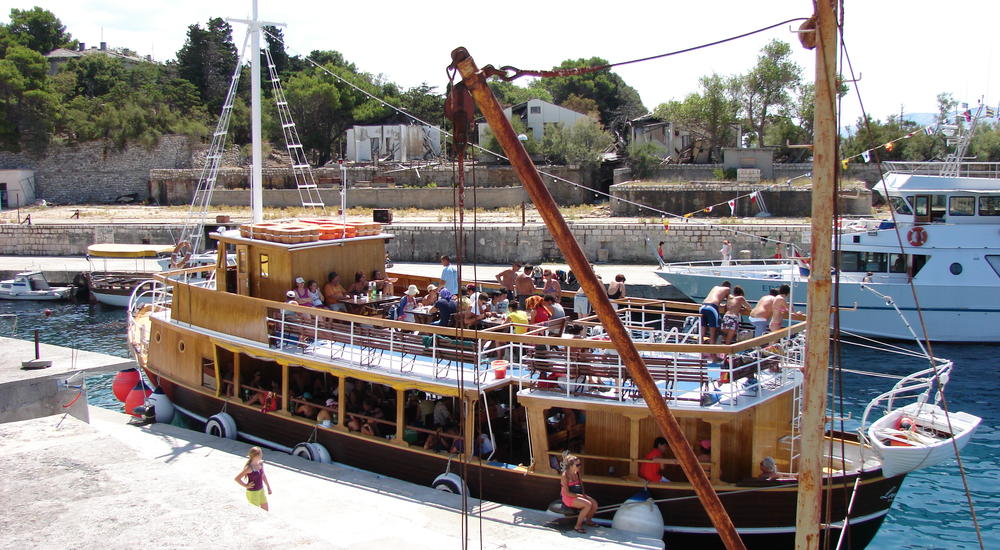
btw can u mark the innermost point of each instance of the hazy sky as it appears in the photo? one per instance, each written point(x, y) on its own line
point(906, 51)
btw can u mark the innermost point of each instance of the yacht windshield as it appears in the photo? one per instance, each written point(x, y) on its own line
point(900, 206)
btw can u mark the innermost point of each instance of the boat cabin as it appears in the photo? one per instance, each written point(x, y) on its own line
point(924, 199)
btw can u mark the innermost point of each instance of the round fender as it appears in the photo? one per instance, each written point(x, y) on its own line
point(221, 425)
point(450, 483)
point(164, 408)
point(313, 452)
point(557, 507)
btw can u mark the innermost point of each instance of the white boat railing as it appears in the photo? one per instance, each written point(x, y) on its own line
point(921, 387)
point(927, 168)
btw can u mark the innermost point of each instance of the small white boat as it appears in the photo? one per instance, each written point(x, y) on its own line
point(919, 434)
point(32, 285)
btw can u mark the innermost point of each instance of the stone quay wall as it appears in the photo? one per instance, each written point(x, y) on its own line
point(97, 172)
point(490, 243)
point(707, 172)
point(681, 199)
point(498, 186)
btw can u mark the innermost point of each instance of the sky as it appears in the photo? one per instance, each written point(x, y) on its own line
point(906, 52)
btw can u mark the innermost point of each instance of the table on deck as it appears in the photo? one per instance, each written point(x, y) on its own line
point(361, 305)
point(424, 315)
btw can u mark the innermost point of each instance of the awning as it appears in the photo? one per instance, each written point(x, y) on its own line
point(115, 250)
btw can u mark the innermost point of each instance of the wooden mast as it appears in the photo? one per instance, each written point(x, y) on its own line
point(818, 312)
point(475, 81)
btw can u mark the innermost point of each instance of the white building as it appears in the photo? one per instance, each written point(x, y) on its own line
point(17, 188)
point(396, 142)
point(535, 114)
point(648, 128)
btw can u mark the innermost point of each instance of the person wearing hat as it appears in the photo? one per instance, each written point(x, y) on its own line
point(407, 304)
point(302, 292)
point(431, 297)
point(325, 414)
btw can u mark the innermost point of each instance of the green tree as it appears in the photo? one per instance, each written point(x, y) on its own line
point(38, 29)
point(617, 101)
point(709, 115)
point(96, 75)
point(276, 45)
point(581, 144)
point(27, 108)
point(764, 91)
point(985, 144)
point(644, 157)
point(510, 94)
point(424, 103)
point(207, 59)
point(490, 143)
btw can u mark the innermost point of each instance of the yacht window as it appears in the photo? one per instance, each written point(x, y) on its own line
point(864, 261)
point(918, 262)
point(962, 206)
point(900, 206)
point(849, 261)
point(897, 263)
point(939, 204)
point(994, 261)
point(989, 206)
point(955, 268)
point(921, 206)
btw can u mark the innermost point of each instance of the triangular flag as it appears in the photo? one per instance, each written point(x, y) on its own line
point(753, 198)
point(709, 209)
point(908, 136)
point(666, 227)
point(732, 207)
point(889, 146)
point(689, 214)
point(867, 156)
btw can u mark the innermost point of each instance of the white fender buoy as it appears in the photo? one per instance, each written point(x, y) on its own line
point(639, 514)
point(450, 483)
point(162, 405)
point(221, 425)
point(314, 452)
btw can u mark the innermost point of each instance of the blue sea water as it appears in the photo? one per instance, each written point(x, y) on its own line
point(930, 512)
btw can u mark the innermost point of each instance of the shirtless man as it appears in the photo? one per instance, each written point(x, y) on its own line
point(524, 285)
point(779, 309)
point(711, 309)
point(760, 315)
point(507, 277)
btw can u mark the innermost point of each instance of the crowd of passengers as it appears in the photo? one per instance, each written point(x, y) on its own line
point(329, 296)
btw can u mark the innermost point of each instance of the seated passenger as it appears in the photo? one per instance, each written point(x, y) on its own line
point(333, 292)
point(324, 414)
point(306, 409)
point(651, 471)
point(360, 285)
point(431, 297)
point(315, 296)
point(445, 308)
point(302, 296)
point(383, 283)
point(407, 304)
point(518, 317)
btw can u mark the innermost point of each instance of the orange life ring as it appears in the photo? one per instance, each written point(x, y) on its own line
point(181, 255)
point(917, 236)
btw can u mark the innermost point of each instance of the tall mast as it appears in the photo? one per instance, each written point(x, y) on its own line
point(256, 169)
point(475, 81)
point(818, 312)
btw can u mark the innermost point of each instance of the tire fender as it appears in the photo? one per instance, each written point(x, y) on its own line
point(313, 452)
point(221, 425)
point(450, 483)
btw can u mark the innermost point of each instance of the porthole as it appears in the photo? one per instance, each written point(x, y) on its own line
point(955, 268)
point(181, 347)
point(157, 337)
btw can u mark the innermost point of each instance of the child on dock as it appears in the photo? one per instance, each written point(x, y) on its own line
point(256, 479)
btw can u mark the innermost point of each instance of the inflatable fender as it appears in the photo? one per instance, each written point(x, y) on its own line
point(639, 516)
point(164, 408)
point(450, 483)
point(221, 425)
point(313, 452)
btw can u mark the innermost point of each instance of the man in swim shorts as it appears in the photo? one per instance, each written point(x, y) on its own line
point(760, 315)
point(711, 310)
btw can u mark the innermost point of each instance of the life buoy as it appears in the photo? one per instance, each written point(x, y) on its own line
point(917, 236)
point(181, 255)
point(221, 425)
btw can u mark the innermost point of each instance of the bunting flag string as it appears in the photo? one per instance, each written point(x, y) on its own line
point(732, 207)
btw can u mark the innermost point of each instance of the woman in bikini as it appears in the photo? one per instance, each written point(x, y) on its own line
point(573, 496)
point(255, 477)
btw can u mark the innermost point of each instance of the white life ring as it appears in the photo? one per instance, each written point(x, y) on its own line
point(221, 425)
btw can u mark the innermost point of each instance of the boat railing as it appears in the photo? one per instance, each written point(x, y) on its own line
point(930, 168)
point(923, 386)
point(735, 263)
point(612, 463)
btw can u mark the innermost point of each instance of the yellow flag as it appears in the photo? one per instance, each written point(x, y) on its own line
point(844, 164)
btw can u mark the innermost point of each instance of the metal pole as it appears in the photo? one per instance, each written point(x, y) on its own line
point(256, 178)
point(475, 81)
point(818, 300)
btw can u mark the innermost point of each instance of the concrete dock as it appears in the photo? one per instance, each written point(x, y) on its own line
point(107, 484)
point(28, 394)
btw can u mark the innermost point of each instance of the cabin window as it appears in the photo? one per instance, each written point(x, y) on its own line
point(863, 261)
point(994, 261)
point(260, 383)
point(897, 263)
point(939, 205)
point(371, 408)
point(962, 206)
point(208, 374)
point(919, 260)
point(989, 206)
point(900, 206)
point(313, 395)
point(921, 206)
point(265, 268)
point(955, 268)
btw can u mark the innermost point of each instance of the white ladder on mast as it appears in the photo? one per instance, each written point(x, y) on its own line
point(304, 180)
point(953, 162)
point(193, 232)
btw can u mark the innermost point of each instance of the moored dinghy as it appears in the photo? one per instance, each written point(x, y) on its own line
point(919, 434)
point(32, 285)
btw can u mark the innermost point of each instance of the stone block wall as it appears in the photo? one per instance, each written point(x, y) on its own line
point(681, 199)
point(96, 172)
point(73, 239)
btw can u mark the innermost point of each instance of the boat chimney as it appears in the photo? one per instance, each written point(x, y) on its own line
point(104, 46)
point(81, 47)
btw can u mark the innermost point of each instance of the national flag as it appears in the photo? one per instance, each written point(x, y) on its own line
point(666, 227)
point(867, 156)
point(929, 130)
point(908, 136)
point(732, 207)
point(968, 115)
point(753, 198)
point(990, 113)
point(889, 146)
point(708, 209)
point(965, 105)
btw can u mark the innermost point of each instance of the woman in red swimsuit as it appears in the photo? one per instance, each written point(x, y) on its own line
point(572, 493)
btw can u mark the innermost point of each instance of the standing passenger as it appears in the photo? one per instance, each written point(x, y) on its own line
point(524, 285)
point(449, 275)
point(507, 277)
point(760, 315)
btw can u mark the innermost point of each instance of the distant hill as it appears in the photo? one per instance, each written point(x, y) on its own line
point(921, 119)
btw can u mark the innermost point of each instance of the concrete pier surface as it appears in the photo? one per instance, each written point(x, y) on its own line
point(107, 485)
point(641, 281)
point(28, 394)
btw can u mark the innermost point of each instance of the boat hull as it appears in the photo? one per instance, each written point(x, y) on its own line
point(909, 453)
point(764, 517)
point(48, 296)
point(946, 309)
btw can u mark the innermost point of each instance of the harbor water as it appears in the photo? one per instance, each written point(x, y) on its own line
point(930, 511)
